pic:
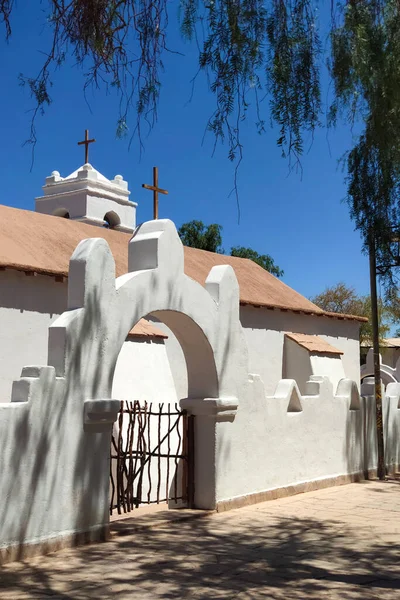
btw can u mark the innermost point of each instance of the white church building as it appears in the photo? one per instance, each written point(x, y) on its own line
point(287, 335)
point(95, 310)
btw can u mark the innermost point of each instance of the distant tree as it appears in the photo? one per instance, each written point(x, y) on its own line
point(205, 237)
point(208, 237)
point(264, 260)
point(343, 299)
point(392, 300)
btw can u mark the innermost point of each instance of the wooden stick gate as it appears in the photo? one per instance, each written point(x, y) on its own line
point(147, 438)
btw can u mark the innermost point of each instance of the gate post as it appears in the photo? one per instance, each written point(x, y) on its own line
point(205, 413)
point(190, 459)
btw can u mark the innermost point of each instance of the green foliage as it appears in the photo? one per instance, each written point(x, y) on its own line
point(208, 237)
point(392, 301)
point(118, 42)
point(365, 67)
point(264, 260)
point(343, 299)
point(293, 71)
point(339, 299)
point(245, 47)
point(243, 39)
point(197, 235)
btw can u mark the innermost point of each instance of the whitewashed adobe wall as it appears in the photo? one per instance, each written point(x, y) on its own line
point(176, 359)
point(300, 364)
point(246, 443)
point(143, 373)
point(288, 439)
point(389, 374)
point(265, 331)
point(28, 306)
point(57, 482)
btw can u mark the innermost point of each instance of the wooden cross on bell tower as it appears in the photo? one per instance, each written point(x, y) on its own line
point(156, 190)
point(86, 143)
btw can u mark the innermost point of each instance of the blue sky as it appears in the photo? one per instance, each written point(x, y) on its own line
point(300, 220)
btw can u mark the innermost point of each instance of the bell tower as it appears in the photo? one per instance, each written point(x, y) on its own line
point(87, 196)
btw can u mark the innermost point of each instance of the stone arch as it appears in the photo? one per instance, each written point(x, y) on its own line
point(197, 351)
point(388, 374)
point(386, 377)
point(84, 342)
point(202, 377)
point(102, 309)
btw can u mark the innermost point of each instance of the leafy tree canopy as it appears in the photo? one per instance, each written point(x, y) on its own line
point(264, 260)
point(205, 237)
point(208, 237)
point(243, 46)
point(365, 52)
point(343, 299)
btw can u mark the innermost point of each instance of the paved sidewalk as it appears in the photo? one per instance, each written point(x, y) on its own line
point(339, 543)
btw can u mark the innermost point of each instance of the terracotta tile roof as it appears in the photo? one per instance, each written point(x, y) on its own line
point(31, 241)
point(313, 343)
point(345, 316)
point(387, 342)
point(145, 329)
point(257, 286)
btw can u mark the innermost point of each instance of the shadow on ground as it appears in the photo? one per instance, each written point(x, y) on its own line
point(250, 553)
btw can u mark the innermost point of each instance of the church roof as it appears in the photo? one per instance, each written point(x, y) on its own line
point(257, 286)
point(145, 329)
point(41, 243)
point(313, 343)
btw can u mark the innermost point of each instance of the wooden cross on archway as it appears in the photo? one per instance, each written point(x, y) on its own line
point(156, 190)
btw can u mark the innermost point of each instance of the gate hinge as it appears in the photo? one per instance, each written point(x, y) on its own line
point(221, 409)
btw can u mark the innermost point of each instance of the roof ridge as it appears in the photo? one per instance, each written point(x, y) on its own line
point(35, 242)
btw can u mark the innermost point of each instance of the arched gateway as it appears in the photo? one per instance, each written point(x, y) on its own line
point(64, 412)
